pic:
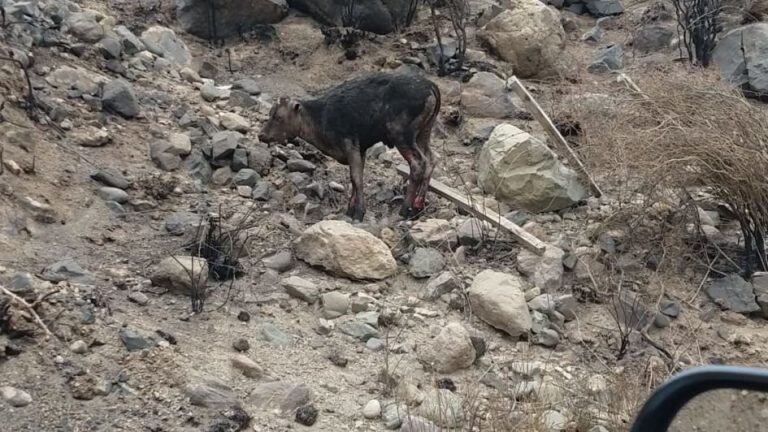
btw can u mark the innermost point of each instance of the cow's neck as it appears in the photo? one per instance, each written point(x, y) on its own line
point(311, 117)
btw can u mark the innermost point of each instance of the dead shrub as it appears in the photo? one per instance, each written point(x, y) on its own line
point(755, 11)
point(689, 131)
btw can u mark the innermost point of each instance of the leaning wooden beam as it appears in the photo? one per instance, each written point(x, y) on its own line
point(527, 239)
point(20, 301)
point(542, 117)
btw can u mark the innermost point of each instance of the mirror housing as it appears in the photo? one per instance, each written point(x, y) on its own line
point(662, 407)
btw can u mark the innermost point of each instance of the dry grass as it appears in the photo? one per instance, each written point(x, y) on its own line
point(689, 130)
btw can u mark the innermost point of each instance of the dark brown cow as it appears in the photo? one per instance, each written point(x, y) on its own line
point(395, 109)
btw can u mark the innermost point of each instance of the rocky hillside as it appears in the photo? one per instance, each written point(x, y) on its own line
point(162, 269)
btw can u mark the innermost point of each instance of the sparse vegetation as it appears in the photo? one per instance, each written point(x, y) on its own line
point(698, 23)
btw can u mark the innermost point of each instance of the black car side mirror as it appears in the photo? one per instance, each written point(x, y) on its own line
point(674, 397)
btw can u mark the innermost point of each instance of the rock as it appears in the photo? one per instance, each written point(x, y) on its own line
point(41, 212)
point(435, 233)
point(306, 415)
point(79, 347)
point(595, 34)
point(15, 397)
point(65, 270)
point(161, 154)
point(262, 191)
point(521, 170)
point(547, 338)
point(498, 299)
point(672, 308)
point(652, 38)
point(84, 26)
point(248, 367)
point(372, 410)
point(113, 194)
point(553, 421)
point(232, 16)
point(443, 407)
point(609, 59)
point(301, 289)
point(393, 415)
point(222, 176)
point(224, 144)
point(111, 177)
point(438, 286)
point(418, 424)
point(119, 97)
point(602, 8)
point(165, 43)
point(91, 137)
point(733, 293)
point(246, 177)
point(82, 80)
point(375, 344)
point(325, 327)
point(235, 122)
point(300, 165)
point(259, 158)
point(208, 69)
point(180, 273)
point(133, 341)
point(529, 37)
point(180, 144)
point(210, 393)
point(472, 232)
point(486, 95)
point(211, 93)
point(740, 54)
point(182, 222)
point(131, 44)
point(346, 251)
point(240, 160)
point(280, 262)
point(358, 330)
point(248, 85)
point(450, 351)
point(275, 336)
point(335, 304)
point(190, 75)
point(139, 298)
point(546, 271)
point(426, 262)
point(110, 48)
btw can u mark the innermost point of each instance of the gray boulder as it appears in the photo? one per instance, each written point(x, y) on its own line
point(653, 38)
point(742, 56)
point(485, 95)
point(165, 43)
point(120, 98)
point(733, 293)
point(84, 26)
point(601, 8)
point(498, 299)
point(130, 42)
point(523, 172)
point(232, 16)
point(608, 59)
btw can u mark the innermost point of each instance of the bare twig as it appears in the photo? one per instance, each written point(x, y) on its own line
point(20, 301)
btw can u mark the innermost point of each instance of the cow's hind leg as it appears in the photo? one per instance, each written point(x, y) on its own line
point(417, 166)
point(422, 143)
point(356, 208)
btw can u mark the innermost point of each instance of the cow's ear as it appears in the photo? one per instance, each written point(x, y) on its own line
point(296, 106)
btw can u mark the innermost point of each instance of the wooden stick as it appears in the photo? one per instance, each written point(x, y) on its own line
point(631, 84)
point(26, 305)
point(542, 117)
point(527, 239)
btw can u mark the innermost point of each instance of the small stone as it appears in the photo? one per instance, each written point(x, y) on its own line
point(79, 347)
point(15, 397)
point(139, 298)
point(338, 187)
point(335, 304)
point(300, 165)
point(119, 97)
point(438, 286)
point(375, 344)
point(426, 262)
point(275, 336)
point(358, 330)
point(91, 137)
point(661, 321)
point(243, 316)
point(181, 144)
point(211, 93)
point(244, 191)
point(133, 341)
point(670, 308)
point(450, 351)
point(248, 85)
point(246, 177)
point(306, 415)
point(112, 178)
point(393, 415)
point(241, 345)
point(235, 122)
point(324, 327)
point(553, 421)
point(733, 293)
point(247, 366)
point(443, 407)
point(547, 338)
point(280, 262)
point(301, 289)
point(372, 410)
point(113, 194)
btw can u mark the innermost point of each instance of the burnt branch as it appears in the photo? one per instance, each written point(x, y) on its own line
point(698, 25)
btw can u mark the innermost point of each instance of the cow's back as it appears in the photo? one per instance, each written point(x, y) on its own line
point(369, 108)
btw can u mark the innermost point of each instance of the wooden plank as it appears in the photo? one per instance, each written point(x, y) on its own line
point(549, 127)
point(527, 239)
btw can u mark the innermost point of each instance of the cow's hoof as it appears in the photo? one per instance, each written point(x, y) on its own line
point(356, 214)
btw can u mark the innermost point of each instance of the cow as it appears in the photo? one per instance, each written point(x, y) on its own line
point(396, 109)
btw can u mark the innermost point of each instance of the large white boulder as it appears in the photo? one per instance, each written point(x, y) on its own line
point(520, 170)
